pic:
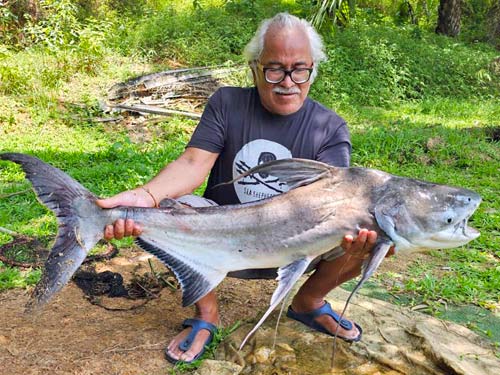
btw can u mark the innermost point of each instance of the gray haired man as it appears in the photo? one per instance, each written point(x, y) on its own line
point(240, 128)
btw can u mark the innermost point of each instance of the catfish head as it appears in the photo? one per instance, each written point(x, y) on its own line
point(420, 215)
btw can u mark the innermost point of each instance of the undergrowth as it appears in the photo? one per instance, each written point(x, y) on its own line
point(11, 277)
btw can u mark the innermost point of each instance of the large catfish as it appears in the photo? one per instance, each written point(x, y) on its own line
point(201, 245)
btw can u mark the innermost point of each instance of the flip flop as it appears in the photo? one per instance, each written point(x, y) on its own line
point(197, 325)
point(307, 318)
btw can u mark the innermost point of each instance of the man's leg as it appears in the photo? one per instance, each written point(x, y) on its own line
point(207, 310)
point(327, 276)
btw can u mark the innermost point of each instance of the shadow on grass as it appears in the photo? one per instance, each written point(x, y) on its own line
point(484, 322)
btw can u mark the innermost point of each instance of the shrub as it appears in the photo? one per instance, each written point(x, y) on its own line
point(378, 65)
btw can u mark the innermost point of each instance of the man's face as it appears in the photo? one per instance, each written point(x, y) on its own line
point(287, 49)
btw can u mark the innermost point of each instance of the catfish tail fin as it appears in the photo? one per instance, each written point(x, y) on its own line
point(76, 212)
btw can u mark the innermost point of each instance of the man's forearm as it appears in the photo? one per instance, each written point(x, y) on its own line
point(183, 175)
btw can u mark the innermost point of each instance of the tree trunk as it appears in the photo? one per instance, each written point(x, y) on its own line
point(493, 25)
point(449, 17)
point(352, 8)
point(21, 8)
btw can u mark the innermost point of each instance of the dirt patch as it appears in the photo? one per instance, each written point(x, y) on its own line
point(92, 333)
point(400, 262)
point(73, 336)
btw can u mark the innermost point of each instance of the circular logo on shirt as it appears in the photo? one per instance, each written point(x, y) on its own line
point(258, 185)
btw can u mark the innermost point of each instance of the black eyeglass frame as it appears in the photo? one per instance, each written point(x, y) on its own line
point(288, 72)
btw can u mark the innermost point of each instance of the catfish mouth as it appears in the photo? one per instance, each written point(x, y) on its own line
point(467, 231)
point(457, 235)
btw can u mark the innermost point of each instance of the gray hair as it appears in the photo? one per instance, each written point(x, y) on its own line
point(254, 48)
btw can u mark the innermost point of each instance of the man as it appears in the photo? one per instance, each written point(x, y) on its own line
point(241, 128)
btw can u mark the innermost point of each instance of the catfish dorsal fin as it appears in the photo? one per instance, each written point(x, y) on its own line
point(294, 172)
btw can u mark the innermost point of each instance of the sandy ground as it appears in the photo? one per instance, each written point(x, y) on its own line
point(72, 336)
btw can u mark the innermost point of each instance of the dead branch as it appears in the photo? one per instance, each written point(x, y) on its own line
point(8, 231)
point(141, 108)
point(3, 196)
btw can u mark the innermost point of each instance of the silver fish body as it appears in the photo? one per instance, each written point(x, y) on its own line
point(287, 231)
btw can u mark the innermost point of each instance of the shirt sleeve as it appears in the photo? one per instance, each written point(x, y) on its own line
point(336, 150)
point(210, 133)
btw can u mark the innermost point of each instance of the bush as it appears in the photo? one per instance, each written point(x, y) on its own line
point(378, 65)
point(194, 37)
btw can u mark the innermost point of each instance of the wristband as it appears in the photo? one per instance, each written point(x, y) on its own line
point(151, 195)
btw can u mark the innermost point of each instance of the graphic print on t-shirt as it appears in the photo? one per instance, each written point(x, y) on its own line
point(259, 185)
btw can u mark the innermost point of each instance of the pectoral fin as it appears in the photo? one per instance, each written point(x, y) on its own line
point(287, 277)
point(370, 265)
point(387, 217)
point(393, 217)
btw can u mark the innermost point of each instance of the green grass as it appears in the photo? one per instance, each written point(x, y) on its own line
point(417, 104)
point(11, 277)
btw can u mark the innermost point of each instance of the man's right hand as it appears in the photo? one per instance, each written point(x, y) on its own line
point(178, 178)
point(123, 228)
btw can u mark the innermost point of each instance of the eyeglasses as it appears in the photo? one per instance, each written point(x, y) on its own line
point(276, 75)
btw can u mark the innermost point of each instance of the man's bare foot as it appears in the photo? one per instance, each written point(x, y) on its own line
point(207, 312)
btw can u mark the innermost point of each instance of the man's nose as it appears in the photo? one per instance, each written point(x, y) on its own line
point(287, 81)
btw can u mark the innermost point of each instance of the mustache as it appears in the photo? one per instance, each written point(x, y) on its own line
point(282, 90)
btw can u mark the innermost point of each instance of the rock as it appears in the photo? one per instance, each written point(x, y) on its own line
point(264, 354)
point(395, 340)
point(214, 367)
point(285, 347)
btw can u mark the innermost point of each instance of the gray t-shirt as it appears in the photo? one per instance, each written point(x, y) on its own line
point(237, 126)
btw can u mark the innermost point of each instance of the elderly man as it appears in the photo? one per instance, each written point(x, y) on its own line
point(241, 128)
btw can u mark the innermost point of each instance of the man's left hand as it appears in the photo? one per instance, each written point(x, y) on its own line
point(363, 244)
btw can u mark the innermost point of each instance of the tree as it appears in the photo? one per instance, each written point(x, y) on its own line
point(493, 24)
point(337, 11)
point(449, 16)
point(23, 8)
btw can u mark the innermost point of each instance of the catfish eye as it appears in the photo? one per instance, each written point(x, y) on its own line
point(449, 220)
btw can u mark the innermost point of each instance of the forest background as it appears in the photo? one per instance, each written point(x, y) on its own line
point(419, 103)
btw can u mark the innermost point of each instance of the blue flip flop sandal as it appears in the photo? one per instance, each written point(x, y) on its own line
point(197, 325)
point(307, 318)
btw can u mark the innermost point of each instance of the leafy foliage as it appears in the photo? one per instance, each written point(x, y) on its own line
point(373, 65)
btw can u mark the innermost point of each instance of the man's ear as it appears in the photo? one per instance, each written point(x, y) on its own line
point(254, 77)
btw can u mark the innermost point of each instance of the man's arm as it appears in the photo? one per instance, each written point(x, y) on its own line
point(178, 178)
point(183, 175)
